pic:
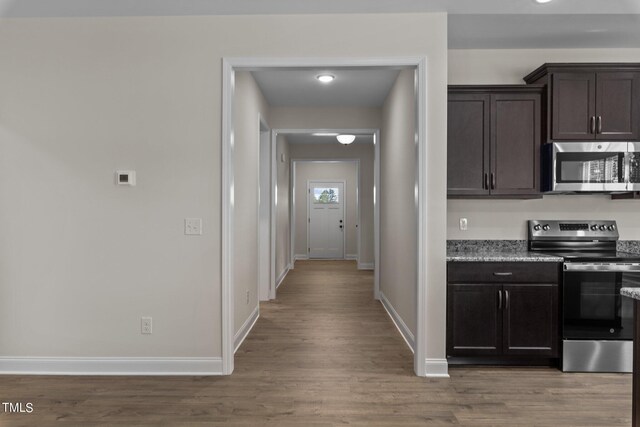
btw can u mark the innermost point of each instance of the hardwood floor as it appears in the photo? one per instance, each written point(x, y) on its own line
point(324, 354)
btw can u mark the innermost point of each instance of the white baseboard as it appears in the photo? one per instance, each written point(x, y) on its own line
point(351, 257)
point(397, 320)
point(365, 266)
point(246, 328)
point(436, 368)
point(110, 366)
point(301, 257)
point(282, 275)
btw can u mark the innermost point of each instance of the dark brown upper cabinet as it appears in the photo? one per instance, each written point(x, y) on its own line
point(591, 101)
point(494, 137)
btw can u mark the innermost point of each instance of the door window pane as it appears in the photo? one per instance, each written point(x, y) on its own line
point(326, 195)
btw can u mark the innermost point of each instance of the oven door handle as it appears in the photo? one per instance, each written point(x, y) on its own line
point(605, 268)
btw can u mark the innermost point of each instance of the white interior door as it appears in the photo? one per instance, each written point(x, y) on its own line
point(326, 220)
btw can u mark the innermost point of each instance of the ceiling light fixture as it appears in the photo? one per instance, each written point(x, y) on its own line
point(346, 139)
point(542, 1)
point(326, 78)
point(325, 134)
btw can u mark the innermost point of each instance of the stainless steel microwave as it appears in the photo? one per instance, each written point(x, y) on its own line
point(591, 167)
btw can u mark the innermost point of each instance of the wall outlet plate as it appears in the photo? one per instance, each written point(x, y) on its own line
point(146, 325)
point(193, 226)
point(464, 224)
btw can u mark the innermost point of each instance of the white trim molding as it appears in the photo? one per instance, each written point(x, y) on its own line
point(422, 188)
point(367, 266)
point(228, 140)
point(436, 368)
point(229, 67)
point(397, 320)
point(246, 328)
point(111, 366)
point(282, 275)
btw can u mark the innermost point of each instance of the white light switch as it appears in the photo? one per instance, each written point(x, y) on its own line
point(463, 224)
point(193, 226)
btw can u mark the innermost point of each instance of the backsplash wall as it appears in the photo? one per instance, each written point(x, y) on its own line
point(506, 219)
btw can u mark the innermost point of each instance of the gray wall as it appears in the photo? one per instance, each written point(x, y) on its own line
point(283, 229)
point(249, 106)
point(506, 219)
point(398, 213)
point(81, 259)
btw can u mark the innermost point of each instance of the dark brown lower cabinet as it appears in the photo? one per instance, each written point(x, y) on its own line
point(497, 320)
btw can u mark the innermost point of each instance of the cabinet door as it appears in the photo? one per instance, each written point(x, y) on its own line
point(617, 98)
point(468, 144)
point(573, 106)
point(515, 144)
point(530, 320)
point(473, 321)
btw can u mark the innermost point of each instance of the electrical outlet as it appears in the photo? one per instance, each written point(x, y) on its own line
point(146, 325)
point(193, 226)
point(463, 224)
point(247, 297)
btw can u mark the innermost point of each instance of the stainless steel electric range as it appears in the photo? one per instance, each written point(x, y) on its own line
point(597, 323)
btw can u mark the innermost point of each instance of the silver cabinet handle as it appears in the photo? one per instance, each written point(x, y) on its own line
point(506, 300)
point(499, 300)
point(592, 127)
point(599, 124)
point(503, 274)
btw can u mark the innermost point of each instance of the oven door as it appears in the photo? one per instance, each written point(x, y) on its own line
point(593, 308)
point(589, 166)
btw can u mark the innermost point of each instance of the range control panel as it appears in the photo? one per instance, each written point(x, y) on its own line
point(567, 229)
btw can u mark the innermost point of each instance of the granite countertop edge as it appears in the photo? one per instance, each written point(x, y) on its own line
point(497, 256)
point(631, 292)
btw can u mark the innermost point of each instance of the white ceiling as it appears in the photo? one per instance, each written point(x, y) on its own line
point(44, 8)
point(307, 138)
point(351, 88)
point(472, 23)
point(544, 31)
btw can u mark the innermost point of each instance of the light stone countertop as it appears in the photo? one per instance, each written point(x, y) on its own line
point(488, 255)
point(631, 292)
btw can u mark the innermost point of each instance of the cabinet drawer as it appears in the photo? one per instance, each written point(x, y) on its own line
point(503, 272)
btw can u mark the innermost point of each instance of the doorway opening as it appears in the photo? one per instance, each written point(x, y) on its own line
point(417, 186)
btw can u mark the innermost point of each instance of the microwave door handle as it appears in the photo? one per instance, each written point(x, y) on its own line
point(627, 169)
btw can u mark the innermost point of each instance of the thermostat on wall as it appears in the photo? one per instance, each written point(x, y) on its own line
point(126, 178)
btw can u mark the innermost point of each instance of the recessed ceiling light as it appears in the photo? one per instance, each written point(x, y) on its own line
point(542, 1)
point(326, 78)
point(346, 139)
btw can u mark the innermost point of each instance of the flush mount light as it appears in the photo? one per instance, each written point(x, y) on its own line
point(346, 139)
point(326, 78)
point(542, 1)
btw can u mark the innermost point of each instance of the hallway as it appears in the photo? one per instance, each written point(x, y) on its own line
point(325, 354)
point(326, 323)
